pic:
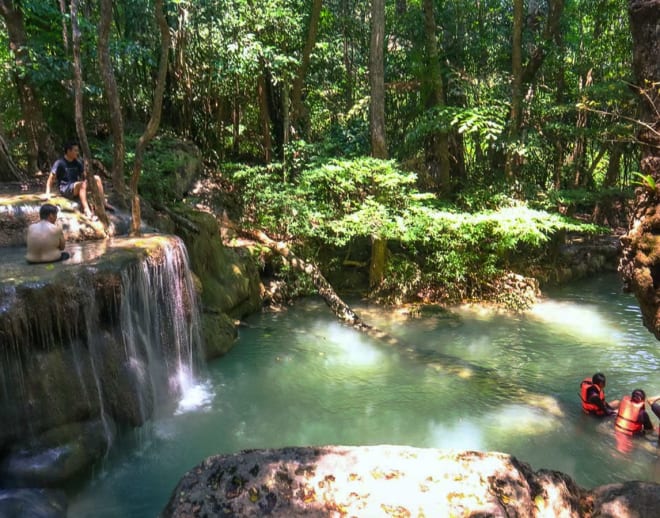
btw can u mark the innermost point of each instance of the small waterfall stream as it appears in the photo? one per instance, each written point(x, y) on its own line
point(107, 339)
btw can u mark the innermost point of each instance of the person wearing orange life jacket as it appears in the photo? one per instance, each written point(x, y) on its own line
point(632, 418)
point(592, 394)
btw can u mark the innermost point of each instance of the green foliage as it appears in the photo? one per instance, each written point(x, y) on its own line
point(645, 180)
point(335, 203)
point(578, 199)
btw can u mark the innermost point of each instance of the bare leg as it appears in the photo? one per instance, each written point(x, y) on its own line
point(80, 190)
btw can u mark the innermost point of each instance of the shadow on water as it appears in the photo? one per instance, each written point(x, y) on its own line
point(300, 378)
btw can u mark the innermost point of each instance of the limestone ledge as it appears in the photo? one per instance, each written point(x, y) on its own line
point(394, 481)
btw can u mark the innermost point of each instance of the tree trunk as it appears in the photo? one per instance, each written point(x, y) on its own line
point(551, 34)
point(377, 80)
point(614, 165)
point(512, 161)
point(9, 172)
point(264, 117)
point(40, 149)
point(154, 120)
point(438, 145)
point(236, 122)
point(92, 188)
point(640, 261)
point(298, 118)
point(444, 363)
point(576, 160)
point(347, 53)
point(114, 104)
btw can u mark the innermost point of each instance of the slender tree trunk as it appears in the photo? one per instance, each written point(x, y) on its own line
point(377, 80)
point(236, 122)
point(512, 161)
point(40, 149)
point(286, 122)
point(114, 104)
point(8, 169)
point(347, 53)
point(640, 261)
point(438, 145)
point(181, 80)
point(377, 124)
point(550, 36)
point(576, 160)
point(264, 117)
point(92, 188)
point(154, 120)
point(65, 32)
point(298, 117)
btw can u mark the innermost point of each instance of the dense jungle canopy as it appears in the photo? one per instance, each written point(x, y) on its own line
point(433, 142)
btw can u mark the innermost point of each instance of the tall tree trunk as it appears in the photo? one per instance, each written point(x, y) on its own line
point(512, 161)
point(377, 80)
point(438, 145)
point(348, 53)
point(551, 35)
point(236, 122)
point(181, 80)
point(154, 120)
point(40, 149)
point(8, 170)
point(114, 104)
point(576, 160)
point(640, 261)
point(264, 117)
point(377, 124)
point(99, 203)
point(614, 165)
point(298, 117)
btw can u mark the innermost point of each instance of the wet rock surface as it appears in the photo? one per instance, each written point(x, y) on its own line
point(32, 503)
point(387, 481)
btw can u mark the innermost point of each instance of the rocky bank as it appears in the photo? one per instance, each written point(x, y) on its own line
point(395, 481)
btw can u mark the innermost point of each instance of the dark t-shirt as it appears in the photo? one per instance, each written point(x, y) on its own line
point(67, 173)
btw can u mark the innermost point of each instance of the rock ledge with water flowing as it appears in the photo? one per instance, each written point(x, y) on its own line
point(96, 341)
point(387, 481)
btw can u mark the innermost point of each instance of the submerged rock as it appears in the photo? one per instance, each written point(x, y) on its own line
point(385, 481)
point(32, 503)
point(58, 455)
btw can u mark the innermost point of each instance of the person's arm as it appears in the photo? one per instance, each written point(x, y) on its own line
point(594, 399)
point(50, 182)
point(646, 420)
point(62, 244)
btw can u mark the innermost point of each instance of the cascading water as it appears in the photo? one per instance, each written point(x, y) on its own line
point(109, 338)
point(160, 324)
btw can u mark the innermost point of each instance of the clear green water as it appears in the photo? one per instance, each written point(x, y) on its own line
point(300, 378)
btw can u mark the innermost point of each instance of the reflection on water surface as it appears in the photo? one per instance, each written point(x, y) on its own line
point(301, 378)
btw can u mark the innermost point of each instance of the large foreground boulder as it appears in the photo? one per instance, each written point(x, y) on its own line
point(375, 481)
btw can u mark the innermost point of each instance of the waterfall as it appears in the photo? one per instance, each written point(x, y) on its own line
point(159, 319)
point(114, 337)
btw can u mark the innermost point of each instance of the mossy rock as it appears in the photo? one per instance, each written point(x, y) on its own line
point(219, 333)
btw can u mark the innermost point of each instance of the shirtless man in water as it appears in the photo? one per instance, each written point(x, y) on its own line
point(45, 240)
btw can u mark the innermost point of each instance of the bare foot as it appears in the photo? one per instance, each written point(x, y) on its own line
point(109, 207)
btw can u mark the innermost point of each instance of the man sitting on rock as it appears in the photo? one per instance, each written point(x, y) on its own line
point(45, 240)
point(67, 172)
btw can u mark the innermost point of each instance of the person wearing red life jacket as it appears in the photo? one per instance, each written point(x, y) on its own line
point(592, 394)
point(632, 418)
